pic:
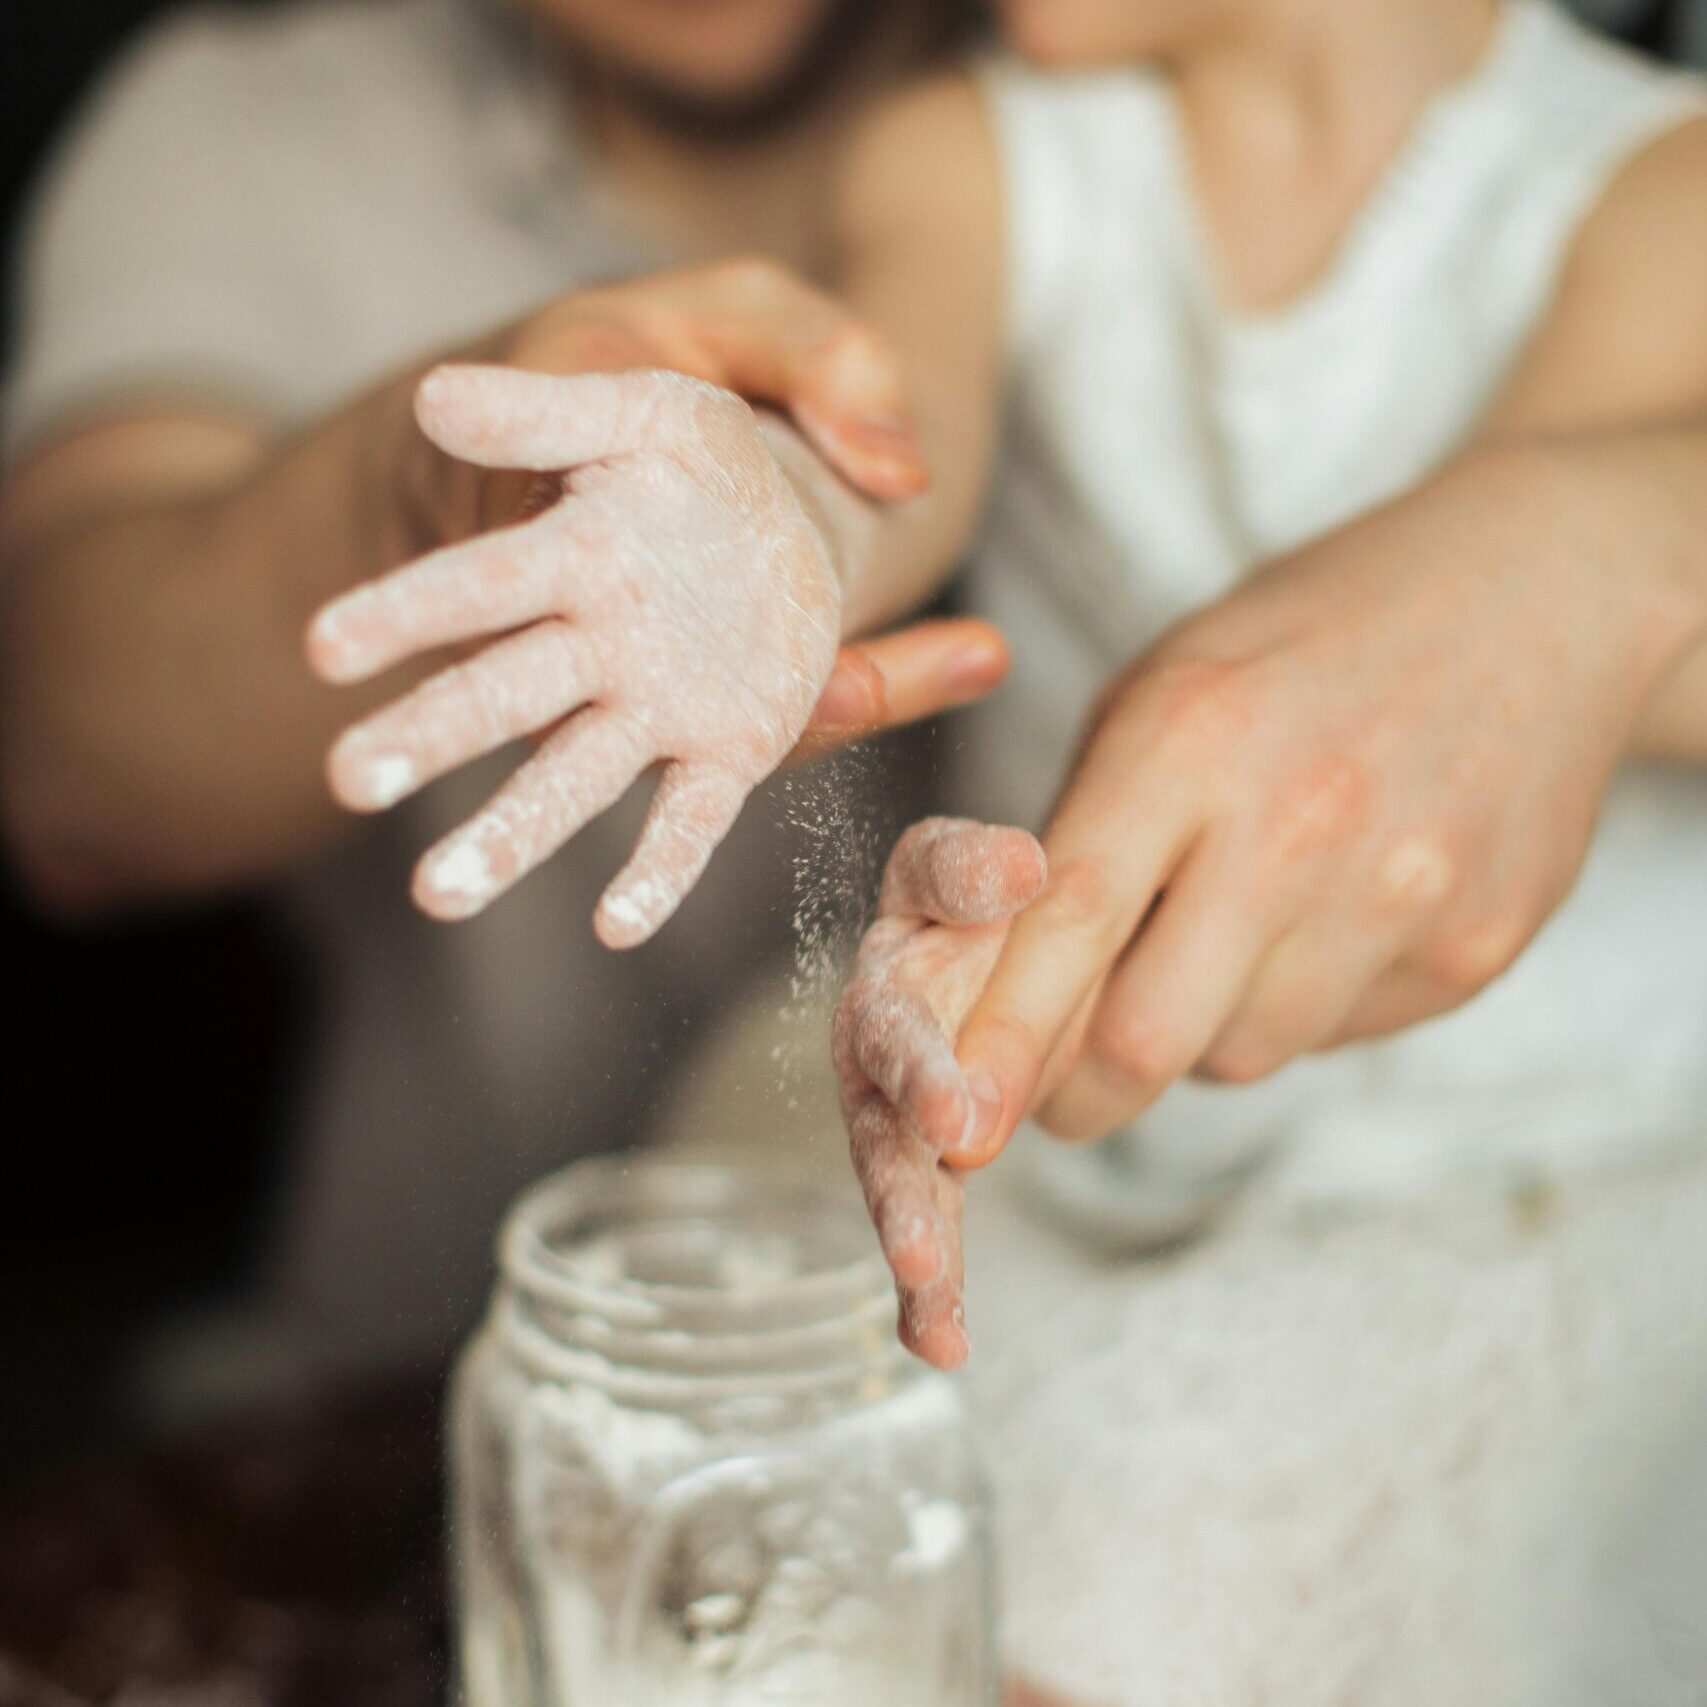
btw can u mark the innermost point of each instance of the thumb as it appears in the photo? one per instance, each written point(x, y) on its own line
point(956, 871)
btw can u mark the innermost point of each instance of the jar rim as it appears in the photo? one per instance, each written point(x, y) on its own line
point(568, 1252)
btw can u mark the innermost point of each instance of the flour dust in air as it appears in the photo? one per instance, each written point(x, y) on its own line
point(838, 829)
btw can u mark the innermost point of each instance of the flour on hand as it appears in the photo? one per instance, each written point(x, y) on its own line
point(674, 607)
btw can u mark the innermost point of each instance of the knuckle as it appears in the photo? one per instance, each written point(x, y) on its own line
point(1207, 701)
point(1474, 955)
point(1077, 895)
point(756, 276)
point(852, 347)
point(1416, 872)
point(1243, 1060)
point(1138, 1049)
point(1327, 800)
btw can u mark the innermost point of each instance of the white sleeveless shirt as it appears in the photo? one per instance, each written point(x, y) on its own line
point(1162, 444)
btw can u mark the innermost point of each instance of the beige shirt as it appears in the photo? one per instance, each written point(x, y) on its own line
point(276, 208)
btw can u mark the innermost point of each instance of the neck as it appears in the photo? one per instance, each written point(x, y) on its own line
point(1293, 109)
point(1313, 79)
point(707, 195)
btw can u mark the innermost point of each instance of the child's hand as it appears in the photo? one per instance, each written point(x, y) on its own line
point(671, 605)
point(950, 888)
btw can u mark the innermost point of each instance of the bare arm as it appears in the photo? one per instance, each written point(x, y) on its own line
point(921, 261)
point(1612, 400)
point(160, 733)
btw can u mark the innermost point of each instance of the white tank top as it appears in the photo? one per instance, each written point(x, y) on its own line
point(1162, 444)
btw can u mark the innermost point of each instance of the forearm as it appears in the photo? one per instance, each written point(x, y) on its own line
point(161, 733)
point(888, 558)
point(920, 228)
point(1638, 499)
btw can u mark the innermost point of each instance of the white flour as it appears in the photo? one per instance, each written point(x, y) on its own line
point(840, 840)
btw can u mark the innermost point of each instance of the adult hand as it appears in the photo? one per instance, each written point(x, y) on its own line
point(746, 326)
point(948, 892)
point(1339, 802)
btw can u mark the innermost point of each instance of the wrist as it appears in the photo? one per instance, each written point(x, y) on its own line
point(844, 520)
point(1618, 522)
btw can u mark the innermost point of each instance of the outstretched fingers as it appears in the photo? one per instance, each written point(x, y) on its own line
point(499, 581)
point(502, 417)
point(513, 688)
point(693, 810)
point(579, 771)
point(915, 1207)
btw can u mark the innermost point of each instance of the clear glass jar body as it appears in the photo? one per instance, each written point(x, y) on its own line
point(691, 1466)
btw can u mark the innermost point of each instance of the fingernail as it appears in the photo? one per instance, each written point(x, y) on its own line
point(972, 671)
point(982, 1118)
point(886, 435)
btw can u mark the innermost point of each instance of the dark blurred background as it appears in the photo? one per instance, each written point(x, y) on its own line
point(111, 1033)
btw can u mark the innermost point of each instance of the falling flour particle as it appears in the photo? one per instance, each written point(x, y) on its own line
point(840, 837)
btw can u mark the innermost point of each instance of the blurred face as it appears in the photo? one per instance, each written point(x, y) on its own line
point(1104, 32)
point(704, 55)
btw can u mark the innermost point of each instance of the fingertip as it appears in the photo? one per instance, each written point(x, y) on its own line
point(938, 1338)
point(435, 395)
point(982, 663)
point(942, 1113)
point(1026, 866)
point(455, 880)
point(329, 651)
point(898, 481)
point(616, 927)
point(363, 780)
point(633, 910)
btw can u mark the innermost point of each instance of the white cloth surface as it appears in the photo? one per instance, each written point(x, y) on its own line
point(1399, 1458)
point(1163, 444)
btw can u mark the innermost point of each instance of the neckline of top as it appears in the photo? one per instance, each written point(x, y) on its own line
point(1430, 141)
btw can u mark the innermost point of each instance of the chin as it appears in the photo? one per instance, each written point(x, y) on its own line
point(708, 54)
point(1066, 33)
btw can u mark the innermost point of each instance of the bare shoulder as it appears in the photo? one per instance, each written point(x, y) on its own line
point(1626, 337)
point(925, 154)
point(1654, 212)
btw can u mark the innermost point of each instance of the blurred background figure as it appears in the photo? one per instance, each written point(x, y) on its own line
point(258, 213)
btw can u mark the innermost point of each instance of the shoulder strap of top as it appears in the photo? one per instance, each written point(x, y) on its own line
point(1075, 149)
point(1539, 139)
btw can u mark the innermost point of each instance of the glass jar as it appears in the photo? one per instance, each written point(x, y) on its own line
point(692, 1467)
